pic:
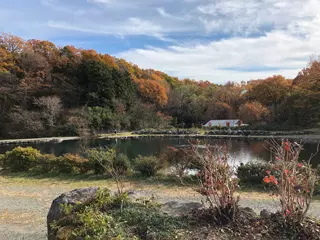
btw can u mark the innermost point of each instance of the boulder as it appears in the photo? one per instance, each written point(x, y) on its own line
point(71, 198)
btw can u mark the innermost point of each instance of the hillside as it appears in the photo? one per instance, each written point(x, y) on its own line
point(47, 90)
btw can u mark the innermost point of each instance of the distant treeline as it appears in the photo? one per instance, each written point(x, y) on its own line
point(47, 90)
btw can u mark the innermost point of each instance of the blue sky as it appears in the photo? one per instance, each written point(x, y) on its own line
point(215, 40)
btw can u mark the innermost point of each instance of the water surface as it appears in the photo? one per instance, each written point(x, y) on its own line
point(240, 150)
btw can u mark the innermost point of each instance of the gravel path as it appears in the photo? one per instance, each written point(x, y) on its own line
point(24, 203)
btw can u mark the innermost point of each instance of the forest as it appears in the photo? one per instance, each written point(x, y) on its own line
point(48, 90)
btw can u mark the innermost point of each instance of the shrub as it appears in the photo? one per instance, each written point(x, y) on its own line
point(179, 158)
point(117, 217)
point(294, 180)
point(21, 159)
point(122, 164)
point(148, 165)
point(252, 173)
point(46, 164)
point(106, 160)
point(98, 157)
point(72, 163)
point(217, 182)
point(1, 160)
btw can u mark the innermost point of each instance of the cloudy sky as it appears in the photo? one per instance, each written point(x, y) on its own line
point(215, 40)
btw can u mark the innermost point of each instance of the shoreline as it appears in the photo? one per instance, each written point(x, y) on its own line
point(305, 138)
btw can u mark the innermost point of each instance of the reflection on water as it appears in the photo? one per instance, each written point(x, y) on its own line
point(240, 150)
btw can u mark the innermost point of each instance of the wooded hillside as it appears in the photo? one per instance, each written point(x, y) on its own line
point(47, 90)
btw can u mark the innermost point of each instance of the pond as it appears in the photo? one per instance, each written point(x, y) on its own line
point(241, 151)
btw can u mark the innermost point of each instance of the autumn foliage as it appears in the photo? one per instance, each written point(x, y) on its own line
point(152, 91)
point(253, 112)
point(31, 69)
point(217, 181)
point(295, 180)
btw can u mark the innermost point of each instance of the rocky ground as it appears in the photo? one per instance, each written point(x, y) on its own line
point(24, 202)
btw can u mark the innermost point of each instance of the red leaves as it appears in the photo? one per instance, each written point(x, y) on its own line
point(286, 146)
point(297, 180)
point(270, 179)
point(266, 179)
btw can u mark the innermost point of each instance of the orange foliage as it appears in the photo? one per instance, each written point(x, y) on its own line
point(309, 78)
point(89, 54)
point(45, 48)
point(152, 91)
point(6, 62)
point(11, 43)
point(204, 84)
point(252, 112)
point(109, 61)
point(270, 90)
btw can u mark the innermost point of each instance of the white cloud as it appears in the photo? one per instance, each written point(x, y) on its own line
point(236, 58)
point(218, 40)
point(99, 1)
point(243, 17)
point(163, 12)
point(131, 26)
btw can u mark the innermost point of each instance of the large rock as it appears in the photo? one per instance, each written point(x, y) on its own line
point(71, 198)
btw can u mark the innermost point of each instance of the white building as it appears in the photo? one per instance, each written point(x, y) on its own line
point(223, 123)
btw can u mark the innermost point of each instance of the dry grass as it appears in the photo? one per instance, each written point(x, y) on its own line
point(19, 218)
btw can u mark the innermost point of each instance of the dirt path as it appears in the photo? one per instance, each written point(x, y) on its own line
point(24, 202)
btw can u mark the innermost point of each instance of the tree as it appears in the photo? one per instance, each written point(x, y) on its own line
point(96, 80)
point(34, 65)
point(11, 43)
point(253, 112)
point(153, 92)
point(45, 48)
point(271, 92)
point(219, 110)
point(25, 123)
point(231, 94)
point(50, 107)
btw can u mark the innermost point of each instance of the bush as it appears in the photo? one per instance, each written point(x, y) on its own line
point(217, 183)
point(105, 160)
point(47, 163)
point(122, 164)
point(98, 157)
point(252, 173)
point(72, 163)
point(117, 217)
point(148, 165)
point(1, 160)
point(21, 159)
point(295, 181)
point(180, 158)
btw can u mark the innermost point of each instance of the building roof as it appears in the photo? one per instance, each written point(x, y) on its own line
point(232, 122)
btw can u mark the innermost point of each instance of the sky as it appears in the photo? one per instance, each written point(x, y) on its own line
point(214, 40)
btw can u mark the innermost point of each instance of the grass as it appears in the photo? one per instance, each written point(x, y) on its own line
point(164, 185)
